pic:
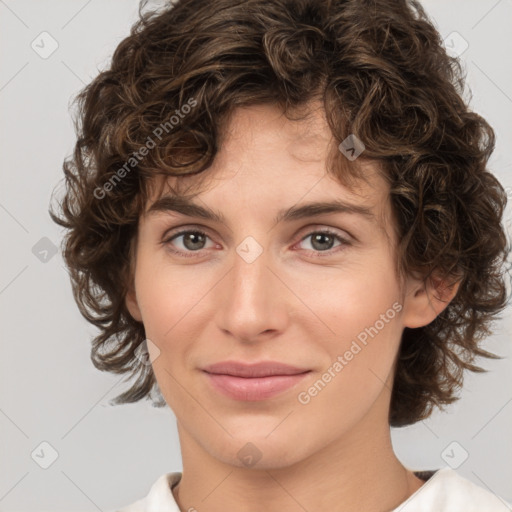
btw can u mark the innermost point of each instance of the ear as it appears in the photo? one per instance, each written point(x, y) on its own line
point(424, 301)
point(132, 305)
point(130, 299)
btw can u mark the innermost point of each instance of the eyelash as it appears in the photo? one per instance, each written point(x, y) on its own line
point(318, 254)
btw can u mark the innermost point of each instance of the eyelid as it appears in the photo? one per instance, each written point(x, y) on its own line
point(342, 233)
point(185, 227)
point(306, 229)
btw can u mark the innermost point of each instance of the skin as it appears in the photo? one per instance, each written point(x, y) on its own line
point(295, 303)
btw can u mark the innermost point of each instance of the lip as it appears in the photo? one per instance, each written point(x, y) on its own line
point(261, 369)
point(253, 382)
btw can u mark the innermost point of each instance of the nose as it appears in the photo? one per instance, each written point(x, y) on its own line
point(252, 300)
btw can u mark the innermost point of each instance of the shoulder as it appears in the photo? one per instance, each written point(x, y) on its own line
point(159, 497)
point(447, 491)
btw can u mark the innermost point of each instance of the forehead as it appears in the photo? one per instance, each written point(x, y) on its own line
point(266, 158)
point(305, 134)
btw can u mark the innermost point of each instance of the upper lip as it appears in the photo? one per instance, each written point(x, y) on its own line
point(262, 369)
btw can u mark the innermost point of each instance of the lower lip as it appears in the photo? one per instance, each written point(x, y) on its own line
point(254, 388)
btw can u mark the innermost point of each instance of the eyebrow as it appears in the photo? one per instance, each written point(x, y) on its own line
point(187, 207)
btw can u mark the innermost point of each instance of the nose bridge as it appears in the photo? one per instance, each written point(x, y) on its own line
point(250, 304)
point(250, 274)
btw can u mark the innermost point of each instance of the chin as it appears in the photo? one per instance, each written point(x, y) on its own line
point(258, 451)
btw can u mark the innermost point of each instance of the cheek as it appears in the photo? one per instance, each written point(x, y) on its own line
point(166, 292)
point(168, 302)
point(363, 310)
point(357, 298)
point(172, 300)
point(360, 363)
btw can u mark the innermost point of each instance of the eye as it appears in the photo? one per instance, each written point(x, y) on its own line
point(322, 241)
point(192, 240)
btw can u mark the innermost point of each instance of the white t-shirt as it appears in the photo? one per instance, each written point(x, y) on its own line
point(444, 491)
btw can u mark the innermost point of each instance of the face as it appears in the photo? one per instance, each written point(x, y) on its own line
point(318, 292)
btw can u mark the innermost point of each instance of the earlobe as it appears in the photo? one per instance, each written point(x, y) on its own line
point(425, 301)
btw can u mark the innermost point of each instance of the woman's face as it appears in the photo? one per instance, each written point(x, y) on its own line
point(252, 289)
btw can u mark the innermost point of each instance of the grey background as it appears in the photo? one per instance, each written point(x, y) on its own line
point(50, 391)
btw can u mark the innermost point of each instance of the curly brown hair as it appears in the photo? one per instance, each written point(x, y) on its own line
point(380, 70)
